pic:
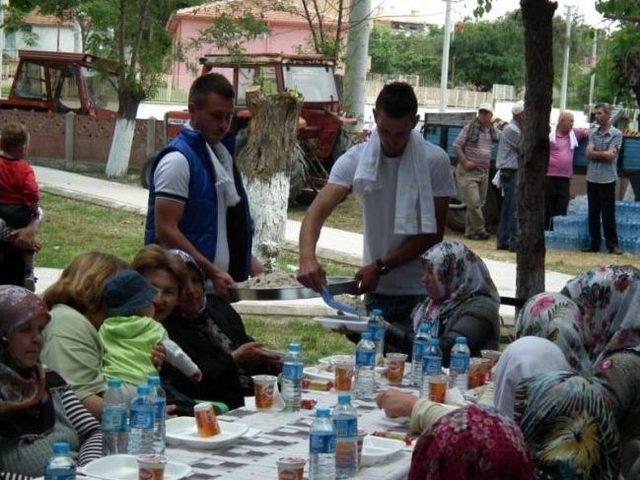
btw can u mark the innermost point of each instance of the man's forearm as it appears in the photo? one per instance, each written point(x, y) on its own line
point(411, 249)
point(310, 233)
point(172, 237)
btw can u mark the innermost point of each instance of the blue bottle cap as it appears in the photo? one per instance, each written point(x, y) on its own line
point(114, 383)
point(154, 380)
point(322, 413)
point(144, 390)
point(424, 328)
point(294, 347)
point(344, 399)
point(376, 311)
point(61, 448)
point(461, 339)
point(367, 336)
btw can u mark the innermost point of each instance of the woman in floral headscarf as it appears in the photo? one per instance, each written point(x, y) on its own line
point(472, 443)
point(462, 300)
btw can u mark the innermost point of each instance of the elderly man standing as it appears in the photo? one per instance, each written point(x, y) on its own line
point(562, 142)
point(602, 152)
point(473, 149)
point(507, 165)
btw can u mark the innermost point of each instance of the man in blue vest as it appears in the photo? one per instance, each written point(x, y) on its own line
point(197, 201)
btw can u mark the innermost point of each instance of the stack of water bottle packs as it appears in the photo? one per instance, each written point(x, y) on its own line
point(571, 232)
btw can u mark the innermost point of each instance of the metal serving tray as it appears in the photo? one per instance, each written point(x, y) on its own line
point(335, 285)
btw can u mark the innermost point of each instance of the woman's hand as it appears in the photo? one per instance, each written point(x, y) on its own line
point(396, 403)
point(158, 356)
point(251, 352)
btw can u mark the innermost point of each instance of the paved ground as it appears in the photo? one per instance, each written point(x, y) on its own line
point(333, 244)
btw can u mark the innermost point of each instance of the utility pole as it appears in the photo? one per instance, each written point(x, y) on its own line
point(444, 72)
point(357, 59)
point(565, 64)
point(1, 41)
point(594, 53)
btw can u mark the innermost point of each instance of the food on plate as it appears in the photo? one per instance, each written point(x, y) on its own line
point(403, 437)
point(271, 280)
point(308, 403)
point(206, 420)
point(321, 385)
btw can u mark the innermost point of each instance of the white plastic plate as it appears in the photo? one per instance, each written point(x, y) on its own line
point(334, 323)
point(316, 373)
point(378, 449)
point(125, 467)
point(183, 431)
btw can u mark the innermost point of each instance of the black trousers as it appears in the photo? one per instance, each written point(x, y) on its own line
point(556, 199)
point(601, 198)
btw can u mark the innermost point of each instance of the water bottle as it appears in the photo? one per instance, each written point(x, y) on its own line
point(365, 363)
point(376, 327)
point(114, 418)
point(420, 343)
point(459, 364)
point(159, 399)
point(322, 447)
point(345, 424)
point(61, 466)
point(141, 422)
point(292, 379)
point(431, 363)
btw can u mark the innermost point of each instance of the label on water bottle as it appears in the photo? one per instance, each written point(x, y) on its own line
point(432, 365)
point(62, 473)
point(159, 408)
point(418, 349)
point(365, 358)
point(322, 443)
point(459, 363)
point(114, 419)
point(292, 370)
point(141, 418)
point(378, 333)
point(345, 427)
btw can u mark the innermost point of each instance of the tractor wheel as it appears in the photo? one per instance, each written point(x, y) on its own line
point(456, 215)
point(145, 170)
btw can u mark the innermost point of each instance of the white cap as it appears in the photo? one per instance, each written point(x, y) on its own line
point(518, 108)
point(486, 106)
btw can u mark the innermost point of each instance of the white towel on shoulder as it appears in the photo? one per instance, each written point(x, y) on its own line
point(415, 212)
point(223, 168)
point(573, 140)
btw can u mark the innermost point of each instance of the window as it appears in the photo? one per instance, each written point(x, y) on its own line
point(64, 89)
point(31, 82)
point(102, 89)
point(248, 76)
point(315, 83)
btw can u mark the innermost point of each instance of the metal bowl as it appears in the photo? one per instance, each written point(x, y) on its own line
point(335, 285)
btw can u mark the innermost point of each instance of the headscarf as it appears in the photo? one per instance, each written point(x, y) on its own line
point(556, 318)
point(18, 306)
point(459, 275)
point(524, 358)
point(609, 300)
point(472, 442)
point(190, 262)
point(568, 423)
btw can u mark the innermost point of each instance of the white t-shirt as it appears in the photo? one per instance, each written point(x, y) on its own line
point(171, 180)
point(379, 213)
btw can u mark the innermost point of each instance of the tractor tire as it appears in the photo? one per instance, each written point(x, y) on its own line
point(456, 215)
point(145, 170)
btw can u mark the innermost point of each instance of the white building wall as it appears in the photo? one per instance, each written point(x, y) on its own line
point(64, 39)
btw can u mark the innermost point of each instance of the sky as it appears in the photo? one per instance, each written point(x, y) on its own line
point(434, 10)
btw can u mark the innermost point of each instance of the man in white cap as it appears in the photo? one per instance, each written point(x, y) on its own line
point(507, 166)
point(473, 149)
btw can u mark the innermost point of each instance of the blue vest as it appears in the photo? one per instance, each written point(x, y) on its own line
point(199, 222)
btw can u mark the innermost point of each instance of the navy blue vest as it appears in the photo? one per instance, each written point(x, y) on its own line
point(199, 222)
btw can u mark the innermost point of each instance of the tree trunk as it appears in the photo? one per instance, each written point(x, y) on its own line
point(122, 140)
point(537, 17)
point(266, 162)
point(355, 75)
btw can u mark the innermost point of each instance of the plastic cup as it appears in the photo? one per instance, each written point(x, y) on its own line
point(493, 355)
point(291, 468)
point(479, 371)
point(206, 420)
point(437, 388)
point(343, 375)
point(264, 388)
point(361, 435)
point(151, 467)
point(395, 367)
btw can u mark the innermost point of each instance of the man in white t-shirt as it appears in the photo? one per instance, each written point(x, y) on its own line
point(391, 275)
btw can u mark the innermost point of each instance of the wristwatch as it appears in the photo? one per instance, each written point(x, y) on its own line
point(381, 267)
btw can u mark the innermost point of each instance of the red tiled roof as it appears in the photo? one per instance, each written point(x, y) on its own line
point(36, 18)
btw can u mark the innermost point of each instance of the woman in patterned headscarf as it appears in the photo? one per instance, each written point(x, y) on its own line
point(37, 408)
point(462, 300)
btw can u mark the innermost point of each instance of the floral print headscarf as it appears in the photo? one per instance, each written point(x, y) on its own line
point(568, 424)
point(472, 442)
point(609, 300)
point(459, 274)
point(556, 318)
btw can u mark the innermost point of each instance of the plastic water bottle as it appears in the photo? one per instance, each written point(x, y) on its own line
point(61, 466)
point(365, 363)
point(141, 422)
point(345, 424)
point(376, 327)
point(431, 363)
point(114, 418)
point(292, 378)
point(322, 447)
point(420, 343)
point(159, 398)
point(459, 364)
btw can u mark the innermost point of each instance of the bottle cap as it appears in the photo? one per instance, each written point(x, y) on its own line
point(344, 399)
point(322, 413)
point(367, 336)
point(154, 380)
point(114, 383)
point(294, 347)
point(61, 448)
point(424, 328)
point(144, 390)
point(461, 339)
point(376, 312)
